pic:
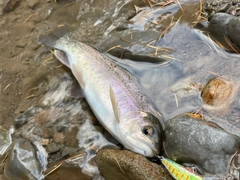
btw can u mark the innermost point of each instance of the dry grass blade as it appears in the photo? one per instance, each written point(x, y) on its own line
point(76, 156)
point(31, 96)
point(149, 3)
point(52, 52)
point(6, 87)
point(176, 99)
point(213, 45)
point(119, 165)
point(34, 88)
point(4, 159)
point(218, 43)
point(200, 8)
point(114, 47)
point(27, 19)
point(58, 66)
point(231, 160)
point(198, 110)
point(146, 45)
point(171, 24)
point(223, 77)
point(230, 45)
point(60, 163)
point(164, 3)
point(48, 59)
point(180, 5)
point(170, 57)
point(54, 169)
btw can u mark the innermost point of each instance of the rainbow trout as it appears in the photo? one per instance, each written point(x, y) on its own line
point(114, 95)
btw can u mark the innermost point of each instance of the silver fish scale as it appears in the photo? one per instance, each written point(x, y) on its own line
point(125, 86)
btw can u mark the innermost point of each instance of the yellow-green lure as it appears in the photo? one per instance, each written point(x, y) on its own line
point(178, 171)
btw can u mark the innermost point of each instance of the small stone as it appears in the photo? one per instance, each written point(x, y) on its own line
point(68, 151)
point(22, 162)
point(48, 133)
point(59, 138)
point(71, 137)
point(53, 147)
point(44, 142)
point(124, 165)
point(11, 5)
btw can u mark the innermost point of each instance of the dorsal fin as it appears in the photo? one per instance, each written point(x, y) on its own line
point(114, 103)
point(62, 57)
point(78, 75)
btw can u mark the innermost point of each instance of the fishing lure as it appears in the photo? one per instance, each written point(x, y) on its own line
point(178, 171)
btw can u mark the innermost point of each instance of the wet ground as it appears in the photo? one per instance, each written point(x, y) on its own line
point(184, 58)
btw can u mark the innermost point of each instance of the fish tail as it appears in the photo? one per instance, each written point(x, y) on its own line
point(52, 39)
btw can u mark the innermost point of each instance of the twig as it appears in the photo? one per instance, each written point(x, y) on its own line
point(4, 159)
point(58, 66)
point(27, 19)
point(180, 5)
point(48, 59)
point(149, 3)
point(32, 95)
point(53, 169)
point(118, 46)
point(229, 44)
point(6, 87)
point(171, 24)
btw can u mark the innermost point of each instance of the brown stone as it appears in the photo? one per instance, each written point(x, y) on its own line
point(124, 165)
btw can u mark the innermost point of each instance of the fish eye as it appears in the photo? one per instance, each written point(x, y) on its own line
point(147, 130)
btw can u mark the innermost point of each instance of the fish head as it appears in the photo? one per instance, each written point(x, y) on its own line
point(142, 133)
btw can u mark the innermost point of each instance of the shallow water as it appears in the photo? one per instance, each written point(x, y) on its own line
point(172, 76)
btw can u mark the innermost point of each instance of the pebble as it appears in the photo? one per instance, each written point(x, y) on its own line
point(125, 165)
point(54, 147)
point(193, 140)
point(22, 162)
point(11, 5)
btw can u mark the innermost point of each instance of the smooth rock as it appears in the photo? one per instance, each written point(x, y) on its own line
point(189, 140)
point(67, 171)
point(125, 165)
point(11, 5)
point(53, 147)
point(22, 162)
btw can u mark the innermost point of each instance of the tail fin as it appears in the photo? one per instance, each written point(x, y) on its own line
point(50, 40)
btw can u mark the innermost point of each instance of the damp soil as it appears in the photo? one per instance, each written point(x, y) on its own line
point(19, 61)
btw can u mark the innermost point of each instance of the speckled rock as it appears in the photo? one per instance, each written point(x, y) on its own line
point(193, 140)
point(124, 165)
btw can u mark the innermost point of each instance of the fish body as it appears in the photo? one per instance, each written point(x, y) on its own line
point(178, 171)
point(114, 95)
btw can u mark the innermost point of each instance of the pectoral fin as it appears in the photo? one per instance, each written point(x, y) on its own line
point(114, 103)
point(62, 57)
point(78, 75)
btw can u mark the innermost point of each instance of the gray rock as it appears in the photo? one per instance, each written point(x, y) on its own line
point(124, 165)
point(22, 162)
point(199, 142)
point(54, 147)
point(67, 151)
